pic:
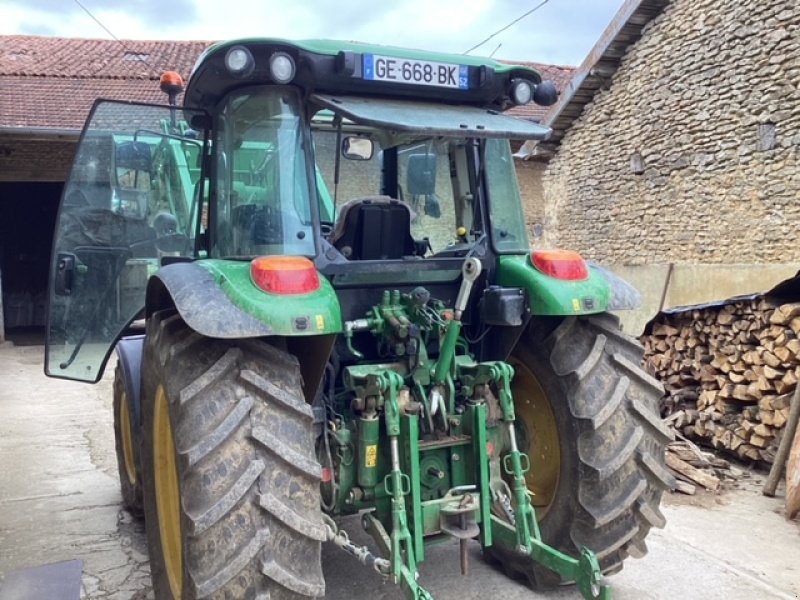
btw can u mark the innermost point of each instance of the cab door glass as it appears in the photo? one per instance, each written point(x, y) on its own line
point(128, 203)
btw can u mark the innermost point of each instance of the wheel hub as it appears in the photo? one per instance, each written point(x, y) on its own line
point(537, 436)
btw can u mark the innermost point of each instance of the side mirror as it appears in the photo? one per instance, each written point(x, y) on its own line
point(357, 148)
point(421, 178)
point(132, 162)
point(134, 156)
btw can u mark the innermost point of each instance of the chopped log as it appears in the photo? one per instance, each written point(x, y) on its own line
point(736, 377)
point(664, 330)
point(780, 402)
point(782, 352)
point(710, 482)
point(771, 359)
point(725, 318)
point(784, 314)
point(764, 385)
point(758, 442)
point(748, 451)
point(753, 391)
point(684, 487)
point(742, 392)
point(764, 431)
point(772, 373)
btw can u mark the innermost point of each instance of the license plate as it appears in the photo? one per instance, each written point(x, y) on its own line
point(415, 72)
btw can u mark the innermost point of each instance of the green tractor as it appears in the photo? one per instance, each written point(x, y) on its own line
point(318, 282)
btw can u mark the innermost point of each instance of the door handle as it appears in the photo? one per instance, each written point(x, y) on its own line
point(65, 272)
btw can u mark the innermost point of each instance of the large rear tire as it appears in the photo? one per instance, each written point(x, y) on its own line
point(587, 416)
point(127, 445)
point(231, 484)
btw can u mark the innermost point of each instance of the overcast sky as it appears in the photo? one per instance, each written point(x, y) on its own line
point(561, 32)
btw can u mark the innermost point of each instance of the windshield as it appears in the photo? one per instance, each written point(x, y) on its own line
point(436, 179)
point(262, 191)
point(423, 184)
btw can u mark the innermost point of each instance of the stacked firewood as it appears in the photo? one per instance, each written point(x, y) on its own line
point(729, 372)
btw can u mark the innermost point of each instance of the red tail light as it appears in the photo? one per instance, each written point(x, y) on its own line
point(561, 264)
point(285, 275)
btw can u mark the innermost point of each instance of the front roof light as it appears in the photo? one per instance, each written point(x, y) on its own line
point(239, 61)
point(521, 91)
point(281, 67)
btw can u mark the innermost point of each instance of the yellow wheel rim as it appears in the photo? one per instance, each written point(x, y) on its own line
point(537, 436)
point(167, 493)
point(127, 438)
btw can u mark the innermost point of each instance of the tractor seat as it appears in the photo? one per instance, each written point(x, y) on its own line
point(374, 228)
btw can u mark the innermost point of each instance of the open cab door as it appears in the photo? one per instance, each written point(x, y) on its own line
point(132, 198)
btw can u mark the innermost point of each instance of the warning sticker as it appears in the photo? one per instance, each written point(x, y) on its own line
point(371, 458)
point(320, 322)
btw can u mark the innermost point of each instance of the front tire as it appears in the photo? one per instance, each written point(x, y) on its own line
point(231, 485)
point(587, 416)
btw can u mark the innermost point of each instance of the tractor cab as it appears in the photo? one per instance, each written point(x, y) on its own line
point(378, 165)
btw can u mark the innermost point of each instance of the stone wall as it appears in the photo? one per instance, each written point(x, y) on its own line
point(691, 155)
point(529, 176)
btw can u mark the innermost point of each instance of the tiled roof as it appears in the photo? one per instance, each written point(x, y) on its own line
point(51, 82)
point(64, 103)
point(35, 56)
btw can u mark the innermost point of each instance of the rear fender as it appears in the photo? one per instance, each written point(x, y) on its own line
point(201, 303)
point(218, 299)
point(601, 292)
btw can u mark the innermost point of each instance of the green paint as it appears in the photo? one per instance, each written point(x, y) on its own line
point(368, 432)
point(318, 310)
point(554, 297)
point(430, 465)
point(409, 432)
point(482, 468)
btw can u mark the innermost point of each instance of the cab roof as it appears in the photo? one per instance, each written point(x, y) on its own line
point(338, 67)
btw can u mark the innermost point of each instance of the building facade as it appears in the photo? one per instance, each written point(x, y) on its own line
point(690, 155)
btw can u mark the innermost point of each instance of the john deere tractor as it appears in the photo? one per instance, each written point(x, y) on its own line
point(318, 282)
